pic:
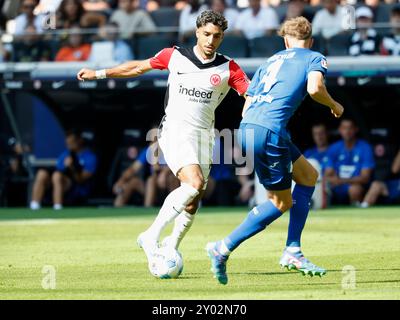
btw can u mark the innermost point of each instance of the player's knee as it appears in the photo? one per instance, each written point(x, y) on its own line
point(57, 177)
point(313, 176)
point(377, 186)
point(282, 204)
point(197, 182)
point(42, 176)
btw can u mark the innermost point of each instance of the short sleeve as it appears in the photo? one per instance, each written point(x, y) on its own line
point(161, 60)
point(330, 157)
point(238, 79)
point(90, 164)
point(60, 161)
point(251, 90)
point(142, 158)
point(318, 63)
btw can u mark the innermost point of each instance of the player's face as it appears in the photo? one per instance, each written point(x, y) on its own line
point(347, 130)
point(209, 38)
point(73, 143)
point(320, 136)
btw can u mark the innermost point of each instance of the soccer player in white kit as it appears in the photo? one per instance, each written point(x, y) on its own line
point(199, 80)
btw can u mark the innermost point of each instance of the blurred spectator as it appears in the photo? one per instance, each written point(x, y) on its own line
point(148, 175)
point(3, 52)
point(373, 5)
point(132, 20)
point(391, 43)
point(328, 21)
point(13, 173)
point(350, 165)
point(224, 187)
point(230, 14)
point(75, 49)
point(321, 140)
point(388, 189)
point(46, 6)
point(296, 8)
point(72, 178)
point(188, 17)
point(27, 17)
point(109, 47)
point(72, 12)
point(257, 21)
point(69, 13)
point(30, 47)
point(96, 5)
point(365, 40)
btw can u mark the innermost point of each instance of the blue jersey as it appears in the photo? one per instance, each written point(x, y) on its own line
point(320, 156)
point(86, 158)
point(349, 163)
point(279, 86)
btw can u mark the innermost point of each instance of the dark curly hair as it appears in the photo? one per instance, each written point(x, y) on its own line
point(213, 17)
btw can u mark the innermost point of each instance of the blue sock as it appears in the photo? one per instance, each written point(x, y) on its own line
point(298, 213)
point(256, 221)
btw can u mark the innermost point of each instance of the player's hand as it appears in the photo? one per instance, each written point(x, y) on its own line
point(86, 74)
point(337, 110)
point(68, 162)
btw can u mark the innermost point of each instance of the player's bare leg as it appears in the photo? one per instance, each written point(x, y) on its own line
point(192, 182)
point(61, 184)
point(377, 189)
point(305, 177)
point(42, 182)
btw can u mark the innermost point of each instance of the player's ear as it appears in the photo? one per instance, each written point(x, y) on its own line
point(197, 32)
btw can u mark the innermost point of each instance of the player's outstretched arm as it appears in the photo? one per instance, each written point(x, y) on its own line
point(128, 69)
point(317, 90)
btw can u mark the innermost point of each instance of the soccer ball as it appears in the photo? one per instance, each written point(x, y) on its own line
point(166, 263)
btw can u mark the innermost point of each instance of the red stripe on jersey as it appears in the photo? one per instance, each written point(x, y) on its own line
point(237, 79)
point(161, 59)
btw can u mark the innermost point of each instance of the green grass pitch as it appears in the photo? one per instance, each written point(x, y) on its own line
point(95, 256)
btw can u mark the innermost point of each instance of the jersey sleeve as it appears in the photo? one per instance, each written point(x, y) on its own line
point(318, 63)
point(238, 79)
point(368, 161)
point(161, 60)
point(60, 161)
point(251, 90)
point(90, 164)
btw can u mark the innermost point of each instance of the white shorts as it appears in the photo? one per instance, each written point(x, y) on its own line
point(183, 146)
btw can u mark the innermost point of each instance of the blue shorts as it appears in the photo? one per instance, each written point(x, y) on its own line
point(273, 156)
point(340, 194)
point(394, 189)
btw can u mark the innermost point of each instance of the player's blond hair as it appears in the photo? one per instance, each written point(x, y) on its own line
point(299, 28)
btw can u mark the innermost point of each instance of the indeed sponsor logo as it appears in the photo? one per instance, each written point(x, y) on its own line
point(195, 93)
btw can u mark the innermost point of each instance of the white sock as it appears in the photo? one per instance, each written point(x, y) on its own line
point(57, 206)
point(364, 204)
point(183, 222)
point(35, 205)
point(173, 205)
point(224, 249)
point(293, 249)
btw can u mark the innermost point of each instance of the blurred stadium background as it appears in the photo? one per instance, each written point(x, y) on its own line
point(44, 43)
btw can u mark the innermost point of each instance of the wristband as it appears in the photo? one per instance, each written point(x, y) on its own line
point(101, 74)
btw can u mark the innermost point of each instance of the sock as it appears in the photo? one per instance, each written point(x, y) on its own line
point(35, 205)
point(293, 249)
point(173, 205)
point(364, 204)
point(223, 249)
point(57, 206)
point(298, 213)
point(256, 221)
point(183, 222)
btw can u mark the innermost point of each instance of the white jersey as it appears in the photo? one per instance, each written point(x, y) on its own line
point(195, 86)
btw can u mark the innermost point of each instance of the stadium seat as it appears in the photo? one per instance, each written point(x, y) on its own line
point(338, 45)
point(148, 46)
point(234, 46)
point(165, 17)
point(281, 11)
point(319, 44)
point(266, 46)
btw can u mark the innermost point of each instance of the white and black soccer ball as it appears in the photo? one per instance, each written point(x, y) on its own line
point(166, 263)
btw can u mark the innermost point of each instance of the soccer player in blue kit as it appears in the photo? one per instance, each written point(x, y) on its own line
point(276, 90)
